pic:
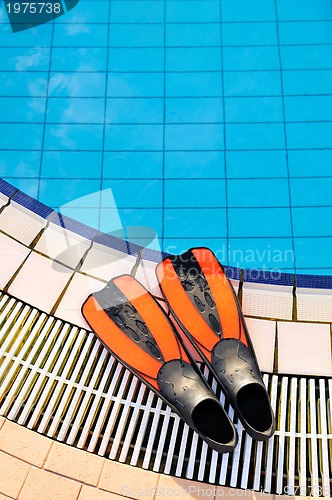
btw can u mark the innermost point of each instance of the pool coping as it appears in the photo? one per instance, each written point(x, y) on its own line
point(155, 256)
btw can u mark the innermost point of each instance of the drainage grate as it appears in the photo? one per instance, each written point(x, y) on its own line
point(58, 380)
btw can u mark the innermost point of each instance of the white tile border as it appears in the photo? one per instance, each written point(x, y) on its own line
point(47, 285)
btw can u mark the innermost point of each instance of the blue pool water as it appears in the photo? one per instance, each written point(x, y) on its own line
point(208, 120)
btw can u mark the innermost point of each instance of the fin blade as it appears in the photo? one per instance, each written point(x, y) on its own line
point(223, 294)
point(132, 325)
point(201, 298)
point(118, 342)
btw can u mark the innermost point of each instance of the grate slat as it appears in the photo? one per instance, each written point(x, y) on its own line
point(132, 425)
point(281, 440)
point(271, 442)
point(124, 417)
point(44, 355)
point(324, 441)
point(96, 404)
point(88, 392)
point(292, 443)
point(313, 440)
point(303, 439)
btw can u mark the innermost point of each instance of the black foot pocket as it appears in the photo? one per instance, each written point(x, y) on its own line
point(236, 368)
point(211, 421)
point(253, 405)
point(185, 390)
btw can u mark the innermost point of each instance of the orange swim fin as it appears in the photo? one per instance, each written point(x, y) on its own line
point(204, 304)
point(135, 329)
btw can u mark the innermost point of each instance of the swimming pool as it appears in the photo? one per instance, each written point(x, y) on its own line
point(209, 121)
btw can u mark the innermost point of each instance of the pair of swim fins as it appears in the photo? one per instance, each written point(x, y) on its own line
point(206, 317)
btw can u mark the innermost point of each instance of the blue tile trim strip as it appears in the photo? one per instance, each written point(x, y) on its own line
point(31, 204)
point(7, 189)
point(117, 243)
point(268, 277)
point(308, 281)
point(250, 275)
point(73, 225)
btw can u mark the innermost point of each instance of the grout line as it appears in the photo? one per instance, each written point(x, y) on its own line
point(209, 207)
point(172, 97)
point(281, 320)
point(164, 134)
point(138, 262)
point(331, 357)
point(224, 127)
point(47, 455)
point(198, 72)
point(276, 343)
point(84, 256)
point(215, 150)
point(285, 136)
point(15, 456)
point(190, 179)
point(101, 471)
point(8, 202)
point(70, 478)
point(199, 23)
point(156, 495)
point(25, 480)
point(294, 313)
point(105, 117)
point(34, 242)
point(240, 287)
point(8, 285)
point(164, 124)
point(75, 271)
point(46, 110)
point(79, 492)
point(232, 207)
point(61, 296)
point(175, 46)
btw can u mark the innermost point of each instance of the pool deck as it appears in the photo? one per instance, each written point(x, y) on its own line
point(33, 466)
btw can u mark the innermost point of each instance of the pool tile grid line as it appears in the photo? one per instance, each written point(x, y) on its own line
point(104, 112)
point(285, 136)
point(285, 28)
point(162, 236)
point(46, 104)
point(305, 280)
point(224, 115)
point(171, 47)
